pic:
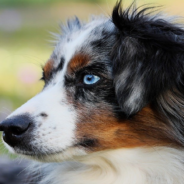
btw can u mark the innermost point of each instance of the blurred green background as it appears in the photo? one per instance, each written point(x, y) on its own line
point(25, 40)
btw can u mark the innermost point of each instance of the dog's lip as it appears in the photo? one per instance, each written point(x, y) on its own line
point(35, 153)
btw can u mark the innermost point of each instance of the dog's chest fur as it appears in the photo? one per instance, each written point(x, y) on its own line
point(123, 166)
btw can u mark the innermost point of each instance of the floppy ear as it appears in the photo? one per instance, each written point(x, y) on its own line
point(147, 54)
point(131, 79)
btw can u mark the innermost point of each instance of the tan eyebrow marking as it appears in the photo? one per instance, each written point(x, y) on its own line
point(48, 68)
point(77, 62)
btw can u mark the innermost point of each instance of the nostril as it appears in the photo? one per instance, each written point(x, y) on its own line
point(19, 130)
point(16, 125)
point(15, 128)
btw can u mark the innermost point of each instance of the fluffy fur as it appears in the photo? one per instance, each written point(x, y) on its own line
point(156, 165)
point(126, 127)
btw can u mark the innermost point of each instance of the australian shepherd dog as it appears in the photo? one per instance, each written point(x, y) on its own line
point(112, 108)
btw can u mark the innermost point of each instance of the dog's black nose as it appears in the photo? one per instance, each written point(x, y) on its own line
point(14, 129)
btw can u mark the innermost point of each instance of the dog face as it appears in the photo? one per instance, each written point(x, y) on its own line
point(108, 85)
point(78, 82)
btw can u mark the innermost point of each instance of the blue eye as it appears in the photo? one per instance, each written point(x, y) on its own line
point(90, 79)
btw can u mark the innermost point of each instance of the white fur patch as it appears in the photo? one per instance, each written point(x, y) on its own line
point(159, 165)
point(55, 132)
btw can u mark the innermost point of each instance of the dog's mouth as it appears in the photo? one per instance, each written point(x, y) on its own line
point(25, 139)
point(36, 154)
point(50, 156)
point(46, 154)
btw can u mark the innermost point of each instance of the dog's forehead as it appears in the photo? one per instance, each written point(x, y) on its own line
point(83, 40)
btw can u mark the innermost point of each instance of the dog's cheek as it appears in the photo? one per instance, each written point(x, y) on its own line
point(97, 128)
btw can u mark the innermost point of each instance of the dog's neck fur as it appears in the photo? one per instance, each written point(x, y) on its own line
point(123, 166)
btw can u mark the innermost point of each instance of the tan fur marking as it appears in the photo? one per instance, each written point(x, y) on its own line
point(48, 68)
point(141, 130)
point(77, 62)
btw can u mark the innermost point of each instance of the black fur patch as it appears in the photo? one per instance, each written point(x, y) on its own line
point(61, 64)
point(83, 91)
point(53, 72)
point(149, 52)
point(148, 58)
point(88, 143)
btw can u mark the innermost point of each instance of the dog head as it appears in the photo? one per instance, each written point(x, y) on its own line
point(110, 83)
